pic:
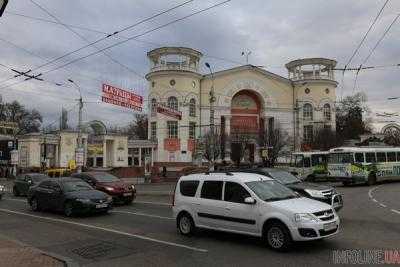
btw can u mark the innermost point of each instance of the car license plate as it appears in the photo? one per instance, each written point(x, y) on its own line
point(127, 194)
point(330, 226)
point(100, 206)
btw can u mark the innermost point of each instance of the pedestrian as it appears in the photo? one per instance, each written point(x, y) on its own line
point(164, 171)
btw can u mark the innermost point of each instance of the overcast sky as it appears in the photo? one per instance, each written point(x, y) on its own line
point(274, 31)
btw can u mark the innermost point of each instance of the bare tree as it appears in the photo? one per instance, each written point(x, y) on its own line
point(275, 140)
point(212, 140)
point(325, 139)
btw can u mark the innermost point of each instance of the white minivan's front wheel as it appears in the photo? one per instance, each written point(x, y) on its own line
point(185, 224)
point(278, 237)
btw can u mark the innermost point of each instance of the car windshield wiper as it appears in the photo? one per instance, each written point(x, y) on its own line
point(279, 198)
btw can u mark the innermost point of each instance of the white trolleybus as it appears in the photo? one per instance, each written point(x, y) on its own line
point(353, 165)
point(309, 165)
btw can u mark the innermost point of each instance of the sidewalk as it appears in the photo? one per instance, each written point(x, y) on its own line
point(17, 254)
point(157, 189)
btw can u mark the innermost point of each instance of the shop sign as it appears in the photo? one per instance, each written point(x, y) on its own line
point(167, 111)
point(172, 144)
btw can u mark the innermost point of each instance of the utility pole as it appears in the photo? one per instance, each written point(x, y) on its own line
point(79, 151)
point(212, 100)
point(247, 54)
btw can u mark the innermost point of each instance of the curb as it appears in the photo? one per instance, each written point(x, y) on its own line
point(154, 193)
point(67, 261)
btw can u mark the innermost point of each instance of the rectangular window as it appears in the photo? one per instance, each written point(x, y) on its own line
point(359, 157)
point(212, 190)
point(188, 188)
point(172, 129)
point(308, 134)
point(370, 157)
point(153, 130)
point(307, 162)
point(234, 192)
point(381, 156)
point(397, 156)
point(391, 156)
point(192, 130)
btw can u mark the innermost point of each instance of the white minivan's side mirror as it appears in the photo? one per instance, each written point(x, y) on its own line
point(249, 200)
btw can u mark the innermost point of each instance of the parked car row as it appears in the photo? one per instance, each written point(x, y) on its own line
point(81, 193)
point(264, 203)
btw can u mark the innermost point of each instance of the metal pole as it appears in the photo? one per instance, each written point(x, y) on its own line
point(212, 100)
point(79, 145)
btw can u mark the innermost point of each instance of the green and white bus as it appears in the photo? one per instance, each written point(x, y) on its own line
point(309, 165)
point(353, 165)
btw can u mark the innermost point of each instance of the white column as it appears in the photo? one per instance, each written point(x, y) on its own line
point(313, 71)
point(104, 153)
point(140, 157)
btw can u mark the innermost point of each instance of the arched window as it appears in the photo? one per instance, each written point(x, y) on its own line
point(173, 102)
point(327, 112)
point(308, 112)
point(192, 107)
point(153, 105)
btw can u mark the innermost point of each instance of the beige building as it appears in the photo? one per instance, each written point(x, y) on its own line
point(248, 101)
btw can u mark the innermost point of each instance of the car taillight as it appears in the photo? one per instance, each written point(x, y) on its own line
point(173, 196)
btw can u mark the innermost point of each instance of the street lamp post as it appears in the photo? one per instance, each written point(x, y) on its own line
point(212, 100)
point(79, 151)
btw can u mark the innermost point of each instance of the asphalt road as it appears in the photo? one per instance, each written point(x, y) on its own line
point(144, 234)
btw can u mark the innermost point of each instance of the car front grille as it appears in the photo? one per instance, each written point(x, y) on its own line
point(325, 215)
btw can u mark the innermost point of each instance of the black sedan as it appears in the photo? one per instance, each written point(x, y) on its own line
point(26, 180)
point(69, 195)
point(315, 191)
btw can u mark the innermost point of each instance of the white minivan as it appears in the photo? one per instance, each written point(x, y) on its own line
point(251, 204)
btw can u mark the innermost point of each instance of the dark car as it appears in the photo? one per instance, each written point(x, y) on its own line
point(120, 191)
point(323, 193)
point(69, 195)
point(24, 181)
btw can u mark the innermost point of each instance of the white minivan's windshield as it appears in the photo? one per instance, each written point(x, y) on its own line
point(271, 190)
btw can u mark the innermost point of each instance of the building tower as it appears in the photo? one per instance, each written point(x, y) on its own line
point(174, 102)
point(315, 95)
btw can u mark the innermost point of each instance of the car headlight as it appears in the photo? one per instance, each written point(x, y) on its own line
point(83, 200)
point(133, 187)
point(314, 193)
point(305, 217)
point(109, 199)
point(109, 188)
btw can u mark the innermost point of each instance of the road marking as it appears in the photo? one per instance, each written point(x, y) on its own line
point(371, 190)
point(153, 203)
point(106, 230)
point(16, 199)
point(395, 211)
point(382, 205)
point(142, 214)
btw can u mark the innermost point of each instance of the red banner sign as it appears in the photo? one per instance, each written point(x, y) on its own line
point(191, 144)
point(172, 144)
point(169, 111)
point(120, 97)
point(246, 124)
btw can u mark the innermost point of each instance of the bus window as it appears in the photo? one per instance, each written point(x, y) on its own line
point(299, 161)
point(307, 162)
point(397, 156)
point(370, 157)
point(317, 160)
point(345, 158)
point(359, 157)
point(381, 156)
point(333, 158)
point(391, 156)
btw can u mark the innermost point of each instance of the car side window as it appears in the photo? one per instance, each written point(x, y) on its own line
point(212, 190)
point(45, 184)
point(188, 188)
point(234, 192)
